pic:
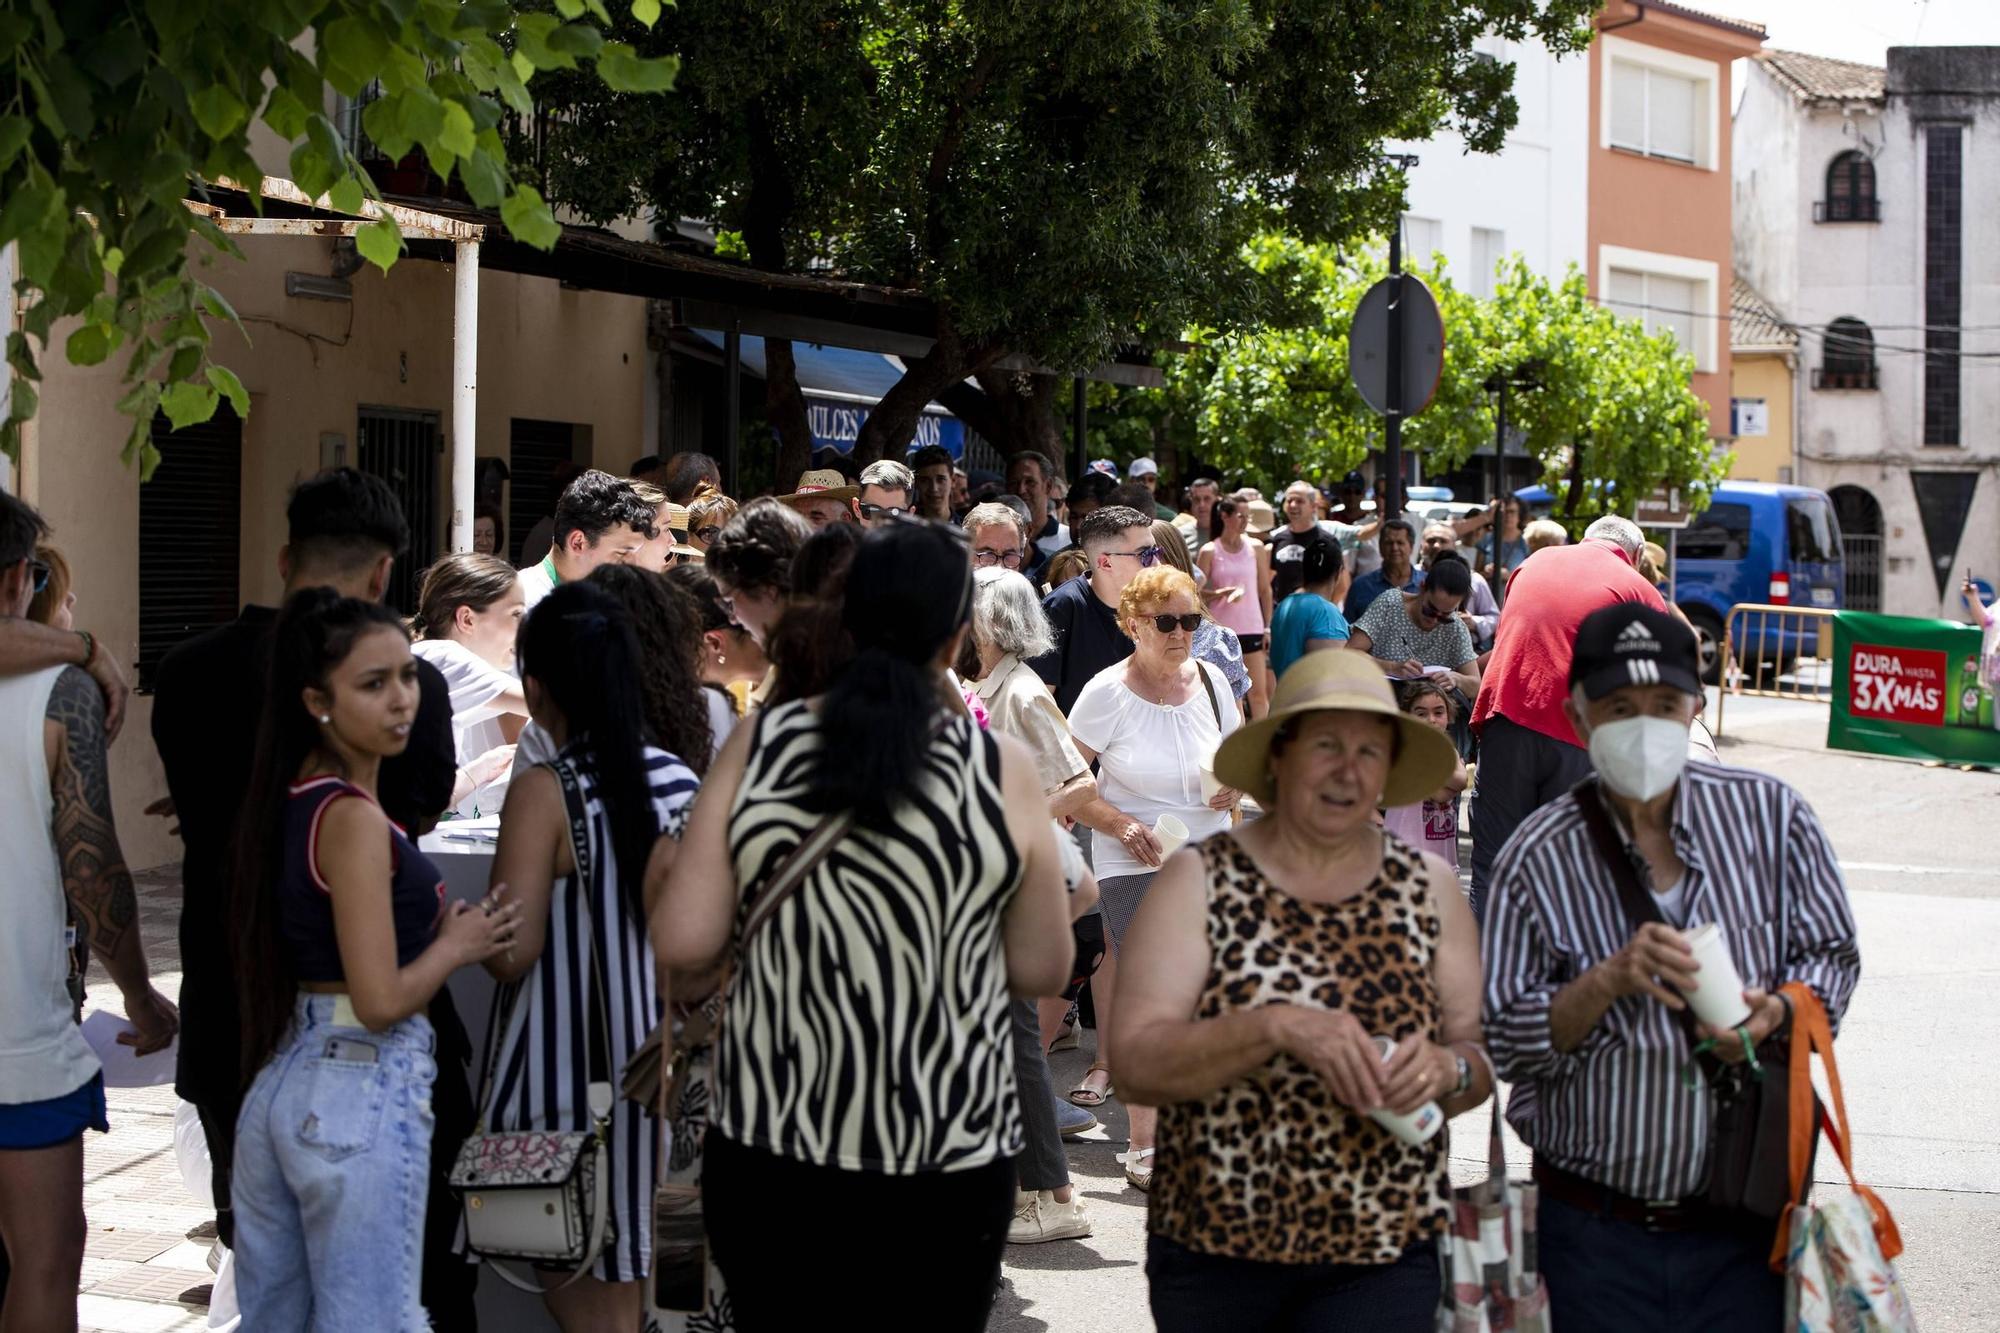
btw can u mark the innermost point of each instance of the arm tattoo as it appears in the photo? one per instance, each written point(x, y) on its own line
point(94, 874)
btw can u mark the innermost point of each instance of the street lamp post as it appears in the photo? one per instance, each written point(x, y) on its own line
point(1526, 376)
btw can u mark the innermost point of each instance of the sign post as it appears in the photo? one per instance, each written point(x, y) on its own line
point(1910, 687)
point(1395, 356)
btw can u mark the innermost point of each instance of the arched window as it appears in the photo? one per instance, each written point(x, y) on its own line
point(1847, 359)
point(1850, 190)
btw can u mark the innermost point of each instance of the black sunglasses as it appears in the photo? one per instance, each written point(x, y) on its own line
point(1165, 623)
point(40, 569)
point(1147, 556)
point(869, 511)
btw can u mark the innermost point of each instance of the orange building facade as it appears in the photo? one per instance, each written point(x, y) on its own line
point(1659, 237)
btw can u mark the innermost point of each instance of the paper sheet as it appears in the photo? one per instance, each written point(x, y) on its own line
point(123, 1068)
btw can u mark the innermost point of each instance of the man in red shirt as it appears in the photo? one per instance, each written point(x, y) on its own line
point(1529, 753)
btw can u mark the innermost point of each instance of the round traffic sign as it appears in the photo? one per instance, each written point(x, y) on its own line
point(1423, 345)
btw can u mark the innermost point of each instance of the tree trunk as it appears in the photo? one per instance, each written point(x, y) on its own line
point(771, 204)
point(785, 409)
point(1013, 410)
point(893, 421)
point(1575, 482)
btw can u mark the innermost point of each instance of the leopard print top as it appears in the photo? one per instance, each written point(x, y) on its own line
point(1272, 1168)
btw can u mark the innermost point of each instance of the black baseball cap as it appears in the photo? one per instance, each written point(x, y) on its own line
point(1629, 644)
point(1353, 481)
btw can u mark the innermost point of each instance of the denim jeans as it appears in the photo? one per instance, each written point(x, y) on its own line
point(1606, 1273)
point(331, 1173)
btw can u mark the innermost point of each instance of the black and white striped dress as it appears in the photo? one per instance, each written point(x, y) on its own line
point(867, 1026)
point(542, 1070)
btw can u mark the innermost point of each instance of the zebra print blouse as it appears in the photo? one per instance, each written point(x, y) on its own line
point(867, 1025)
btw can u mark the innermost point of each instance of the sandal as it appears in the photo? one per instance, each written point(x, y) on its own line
point(1087, 1097)
point(1066, 1037)
point(1139, 1177)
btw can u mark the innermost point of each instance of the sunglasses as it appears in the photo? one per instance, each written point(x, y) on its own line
point(1429, 612)
point(869, 511)
point(708, 532)
point(1147, 556)
point(984, 559)
point(40, 569)
point(1166, 624)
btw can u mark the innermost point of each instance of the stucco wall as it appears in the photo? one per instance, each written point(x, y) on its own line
point(544, 352)
point(1763, 375)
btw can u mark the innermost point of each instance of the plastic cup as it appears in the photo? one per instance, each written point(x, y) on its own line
point(1171, 834)
point(1717, 996)
point(1421, 1125)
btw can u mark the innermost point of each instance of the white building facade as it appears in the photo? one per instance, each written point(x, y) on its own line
point(1864, 207)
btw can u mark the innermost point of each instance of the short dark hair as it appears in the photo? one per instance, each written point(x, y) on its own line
point(1035, 456)
point(597, 502)
point(1105, 524)
point(1092, 486)
point(688, 473)
point(755, 549)
point(1402, 526)
point(930, 456)
point(643, 465)
point(1322, 561)
point(1449, 574)
point(344, 518)
point(21, 530)
point(1132, 495)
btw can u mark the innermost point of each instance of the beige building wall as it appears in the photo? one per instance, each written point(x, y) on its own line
point(544, 352)
point(1763, 375)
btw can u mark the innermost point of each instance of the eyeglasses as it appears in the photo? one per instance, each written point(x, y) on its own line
point(1165, 624)
point(1429, 612)
point(870, 512)
point(984, 558)
point(1147, 556)
point(708, 532)
point(40, 570)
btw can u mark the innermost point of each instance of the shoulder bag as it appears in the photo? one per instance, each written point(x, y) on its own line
point(536, 1195)
point(1751, 1129)
point(1491, 1276)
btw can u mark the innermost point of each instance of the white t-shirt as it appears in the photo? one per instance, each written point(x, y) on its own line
point(1150, 756)
point(537, 581)
point(475, 720)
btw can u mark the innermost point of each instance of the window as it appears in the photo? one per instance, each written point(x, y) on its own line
point(1489, 245)
point(1847, 356)
point(1670, 293)
point(1943, 243)
point(1659, 103)
point(403, 448)
point(190, 523)
point(1720, 532)
point(1422, 238)
point(541, 452)
point(1811, 532)
point(1850, 190)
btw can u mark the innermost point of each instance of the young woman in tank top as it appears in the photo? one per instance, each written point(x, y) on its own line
point(1237, 567)
point(344, 937)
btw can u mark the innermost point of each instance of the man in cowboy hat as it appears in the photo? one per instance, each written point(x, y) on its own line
point(822, 496)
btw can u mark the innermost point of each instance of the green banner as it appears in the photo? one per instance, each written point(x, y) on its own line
point(1911, 688)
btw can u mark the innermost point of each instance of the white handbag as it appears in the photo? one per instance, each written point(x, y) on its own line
point(543, 1196)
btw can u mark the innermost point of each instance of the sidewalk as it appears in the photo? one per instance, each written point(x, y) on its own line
point(141, 1273)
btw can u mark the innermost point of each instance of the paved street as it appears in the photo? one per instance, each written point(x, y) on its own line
point(1917, 1061)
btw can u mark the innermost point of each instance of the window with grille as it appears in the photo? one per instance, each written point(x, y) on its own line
point(1943, 249)
point(1850, 190)
point(1847, 356)
point(540, 454)
point(405, 448)
point(190, 522)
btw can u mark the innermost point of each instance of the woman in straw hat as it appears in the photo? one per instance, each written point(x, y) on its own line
point(1263, 966)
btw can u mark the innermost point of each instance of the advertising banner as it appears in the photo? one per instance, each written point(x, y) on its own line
point(1912, 688)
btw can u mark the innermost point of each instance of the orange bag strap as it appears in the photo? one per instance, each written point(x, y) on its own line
point(1811, 1031)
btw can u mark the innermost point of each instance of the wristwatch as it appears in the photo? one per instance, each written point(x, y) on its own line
point(1464, 1075)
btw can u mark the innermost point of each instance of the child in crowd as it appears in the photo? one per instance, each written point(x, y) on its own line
point(1430, 825)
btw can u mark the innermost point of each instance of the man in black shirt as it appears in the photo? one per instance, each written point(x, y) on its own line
point(1302, 528)
point(1084, 611)
point(346, 529)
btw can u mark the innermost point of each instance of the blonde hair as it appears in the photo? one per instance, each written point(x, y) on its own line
point(1065, 565)
point(1153, 589)
point(712, 506)
point(1173, 545)
point(1544, 532)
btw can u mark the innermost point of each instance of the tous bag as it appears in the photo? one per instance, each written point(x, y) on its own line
point(680, 1232)
point(533, 1195)
point(1491, 1282)
point(1835, 1256)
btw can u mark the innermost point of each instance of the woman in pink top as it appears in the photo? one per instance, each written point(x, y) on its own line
point(1430, 825)
point(1237, 568)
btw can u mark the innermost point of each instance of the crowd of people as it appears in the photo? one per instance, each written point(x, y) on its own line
point(900, 781)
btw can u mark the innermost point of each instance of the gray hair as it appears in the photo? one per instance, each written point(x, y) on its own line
point(1007, 613)
point(889, 475)
point(1621, 532)
point(991, 515)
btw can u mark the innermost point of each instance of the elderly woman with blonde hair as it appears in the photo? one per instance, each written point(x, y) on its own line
point(1152, 724)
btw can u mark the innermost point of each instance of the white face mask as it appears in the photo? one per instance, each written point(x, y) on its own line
point(1640, 757)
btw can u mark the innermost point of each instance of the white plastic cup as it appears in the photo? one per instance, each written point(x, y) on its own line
point(1421, 1125)
point(1170, 833)
point(1717, 996)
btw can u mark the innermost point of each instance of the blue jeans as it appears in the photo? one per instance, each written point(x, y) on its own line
point(330, 1178)
point(1194, 1292)
point(1606, 1273)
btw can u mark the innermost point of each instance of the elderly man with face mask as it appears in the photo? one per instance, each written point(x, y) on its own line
point(1585, 982)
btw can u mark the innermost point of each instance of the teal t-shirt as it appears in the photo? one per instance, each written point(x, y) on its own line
point(1300, 618)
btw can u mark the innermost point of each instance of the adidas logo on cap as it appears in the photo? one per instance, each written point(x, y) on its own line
point(1636, 638)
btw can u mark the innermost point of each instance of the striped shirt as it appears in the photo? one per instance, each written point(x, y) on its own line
point(1615, 1110)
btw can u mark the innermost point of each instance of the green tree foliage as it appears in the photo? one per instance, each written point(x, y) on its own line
point(1274, 403)
point(1059, 177)
point(111, 110)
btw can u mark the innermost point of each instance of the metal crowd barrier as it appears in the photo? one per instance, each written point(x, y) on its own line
point(1776, 652)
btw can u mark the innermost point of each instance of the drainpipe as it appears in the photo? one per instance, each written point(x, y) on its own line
point(464, 390)
point(1638, 16)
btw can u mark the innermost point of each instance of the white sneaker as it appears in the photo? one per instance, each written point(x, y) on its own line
point(1038, 1217)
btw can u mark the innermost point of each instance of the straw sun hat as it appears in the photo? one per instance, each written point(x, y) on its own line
point(1323, 682)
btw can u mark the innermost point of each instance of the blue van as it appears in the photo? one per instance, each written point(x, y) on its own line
point(1756, 543)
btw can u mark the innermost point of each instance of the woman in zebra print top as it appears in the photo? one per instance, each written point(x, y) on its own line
point(864, 1075)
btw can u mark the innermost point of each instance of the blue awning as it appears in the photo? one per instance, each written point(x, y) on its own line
point(841, 385)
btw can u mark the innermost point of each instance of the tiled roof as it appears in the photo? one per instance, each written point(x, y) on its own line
point(1704, 16)
point(1820, 79)
point(1754, 322)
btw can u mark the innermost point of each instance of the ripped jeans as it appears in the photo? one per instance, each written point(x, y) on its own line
point(331, 1175)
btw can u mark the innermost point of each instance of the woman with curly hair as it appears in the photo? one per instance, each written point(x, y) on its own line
point(731, 661)
point(684, 719)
